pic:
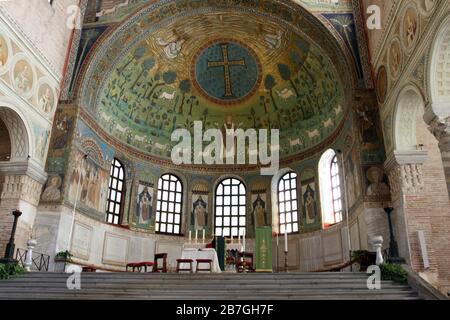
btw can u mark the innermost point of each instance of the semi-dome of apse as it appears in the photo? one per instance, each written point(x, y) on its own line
point(167, 67)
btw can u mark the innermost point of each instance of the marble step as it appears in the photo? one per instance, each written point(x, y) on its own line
point(148, 286)
point(209, 296)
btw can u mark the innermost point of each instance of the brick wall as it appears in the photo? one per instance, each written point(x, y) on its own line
point(430, 212)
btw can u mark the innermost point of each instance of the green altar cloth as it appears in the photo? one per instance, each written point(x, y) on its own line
point(263, 249)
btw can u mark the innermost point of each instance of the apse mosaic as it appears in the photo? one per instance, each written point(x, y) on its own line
point(226, 71)
point(207, 67)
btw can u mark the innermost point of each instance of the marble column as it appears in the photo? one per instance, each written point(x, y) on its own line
point(21, 187)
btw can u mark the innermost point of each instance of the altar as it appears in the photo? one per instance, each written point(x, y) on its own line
point(203, 253)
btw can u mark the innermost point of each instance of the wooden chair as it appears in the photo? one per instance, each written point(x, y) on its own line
point(244, 261)
point(187, 261)
point(204, 261)
point(156, 266)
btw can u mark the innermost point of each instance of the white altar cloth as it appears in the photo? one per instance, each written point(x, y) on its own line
point(194, 254)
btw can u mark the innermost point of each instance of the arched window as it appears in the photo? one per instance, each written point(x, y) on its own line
point(288, 203)
point(168, 207)
point(116, 192)
point(230, 208)
point(330, 188)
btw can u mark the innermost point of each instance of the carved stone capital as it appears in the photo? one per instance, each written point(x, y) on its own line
point(405, 174)
point(440, 128)
point(22, 181)
point(21, 187)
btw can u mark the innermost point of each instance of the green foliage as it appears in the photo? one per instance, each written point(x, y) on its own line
point(169, 77)
point(148, 64)
point(394, 272)
point(63, 255)
point(269, 82)
point(10, 270)
point(185, 86)
point(285, 71)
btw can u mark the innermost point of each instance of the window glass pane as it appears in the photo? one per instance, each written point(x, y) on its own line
point(169, 204)
point(230, 201)
point(287, 202)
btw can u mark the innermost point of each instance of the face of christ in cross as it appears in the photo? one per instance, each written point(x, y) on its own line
point(226, 64)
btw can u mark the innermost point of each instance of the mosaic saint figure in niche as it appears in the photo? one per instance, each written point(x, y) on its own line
point(259, 212)
point(199, 214)
point(144, 206)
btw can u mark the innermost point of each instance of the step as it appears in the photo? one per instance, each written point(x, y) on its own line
point(225, 286)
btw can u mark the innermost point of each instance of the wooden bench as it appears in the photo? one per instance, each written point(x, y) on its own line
point(140, 265)
point(155, 265)
point(187, 261)
point(204, 261)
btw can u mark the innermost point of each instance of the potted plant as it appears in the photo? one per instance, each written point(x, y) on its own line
point(61, 260)
point(362, 257)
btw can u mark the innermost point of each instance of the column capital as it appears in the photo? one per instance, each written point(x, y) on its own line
point(405, 174)
point(401, 158)
point(24, 168)
point(22, 181)
point(438, 120)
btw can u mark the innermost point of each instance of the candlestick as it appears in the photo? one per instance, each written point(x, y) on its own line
point(244, 239)
point(190, 236)
point(285, 240)
point(203, 235)
point(231, 237)
point(196, 235)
